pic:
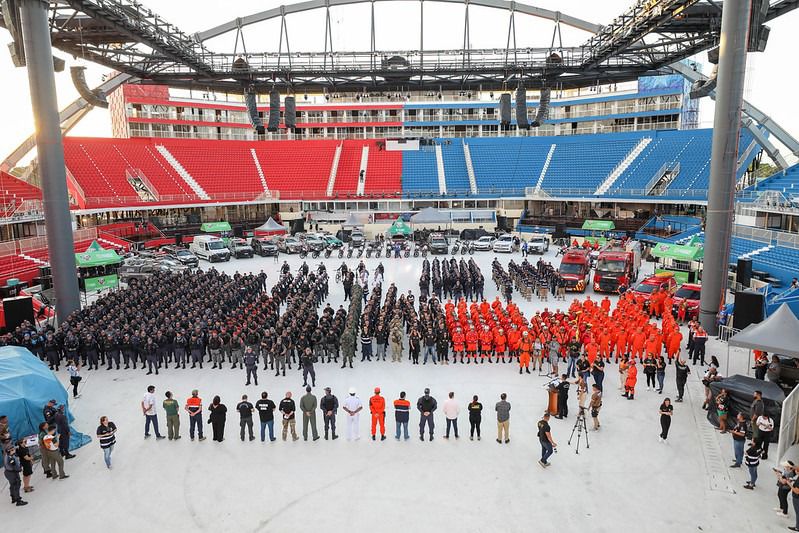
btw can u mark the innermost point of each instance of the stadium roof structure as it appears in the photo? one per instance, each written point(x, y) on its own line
point(128, 37)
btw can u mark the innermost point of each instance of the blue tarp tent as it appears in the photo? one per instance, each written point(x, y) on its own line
point(26, 385)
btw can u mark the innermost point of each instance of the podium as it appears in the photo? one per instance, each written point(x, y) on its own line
point(552, 405)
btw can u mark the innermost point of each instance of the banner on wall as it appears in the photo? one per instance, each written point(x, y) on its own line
point(100, 283)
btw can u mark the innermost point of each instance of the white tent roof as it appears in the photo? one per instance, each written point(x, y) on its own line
point(430, 215)
point(778, 334)
point(270, 225)
point(356, 220)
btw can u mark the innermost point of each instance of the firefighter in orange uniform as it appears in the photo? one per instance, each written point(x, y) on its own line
point(457, 345)
point(486, 344)
point(632, 378)
point(675, 339)
point(500, 342)
point(471, 345)
point(514, 341)
point(525, 352)
point(377, 406)
point(621, 344)
point(605, 305)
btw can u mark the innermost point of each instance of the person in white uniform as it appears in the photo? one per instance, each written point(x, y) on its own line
point(353, 406)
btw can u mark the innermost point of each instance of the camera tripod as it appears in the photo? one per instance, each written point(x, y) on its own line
point(581, 428)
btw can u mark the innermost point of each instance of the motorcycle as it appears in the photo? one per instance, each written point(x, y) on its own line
point(424, 251)
point(415, 251)
point(360, 252)
point(456, 248)
point(328, 251)
point(303, 252)
point(368, 253)
point(349, 253)
point(315, 254)
point(341, 252)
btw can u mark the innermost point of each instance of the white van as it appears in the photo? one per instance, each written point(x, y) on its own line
point(210, 247)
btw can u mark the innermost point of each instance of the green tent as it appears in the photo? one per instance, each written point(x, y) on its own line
point(94, 247)
point(678, 252)
point(399, 227)
point(215, 227)
point(101, 257)
point(599, 225)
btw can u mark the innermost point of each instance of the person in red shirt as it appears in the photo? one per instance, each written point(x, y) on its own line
point(377, 406)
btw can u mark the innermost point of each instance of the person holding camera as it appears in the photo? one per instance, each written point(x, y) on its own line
point(596, 405)
point(785, 479)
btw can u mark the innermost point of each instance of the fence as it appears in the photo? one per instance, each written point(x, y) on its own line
point(39, 243)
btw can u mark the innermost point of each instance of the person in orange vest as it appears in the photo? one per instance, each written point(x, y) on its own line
point(377, 406)
point(525, 352)
point(605, 305)
point(591, 350)
point(638, 340)
point(486, 344)
point(632, 378)
point(682, 311)
point(604, 344)
point(471, 345)
point(500, 342)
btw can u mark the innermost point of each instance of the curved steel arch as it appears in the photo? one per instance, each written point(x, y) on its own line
point(310, 5)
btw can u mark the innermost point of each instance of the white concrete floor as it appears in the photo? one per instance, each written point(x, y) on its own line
point(626, 480)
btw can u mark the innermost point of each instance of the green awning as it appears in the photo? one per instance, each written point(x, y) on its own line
point(97, 258)
point(399, 227)
point(94, 247)
point(214, 227)
point(599, 225)
point(678, 252)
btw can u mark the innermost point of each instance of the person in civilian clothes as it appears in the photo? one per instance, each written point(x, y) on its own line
point(666, 410)
point(795, 502)
point(266, 414)
point(288, 407)
point(548, 444)
point(217, 418)
point(150, 415)
point(752, 458)
point(681, 371)
point(451, 412)
point(785, 479)
point(402, 408)
point(26, 460)
point(503, 418)
point(475, 417)
point(106, 435)
point(64, 433)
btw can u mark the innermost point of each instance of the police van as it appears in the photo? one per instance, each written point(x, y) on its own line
point(210, 247)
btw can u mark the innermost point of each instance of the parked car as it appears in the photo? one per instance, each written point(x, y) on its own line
point(314, 242)
point(181, 254)
point(664, 280)
point(538, 244)
point(239, 248)
point(438, 244)
point(484, 243)
point(505, 244)
point(210, 247)
point(688, 293)
point(290, 245)
point(141, 268)
point(357, 239)
point(264, 246)
point(332, 241)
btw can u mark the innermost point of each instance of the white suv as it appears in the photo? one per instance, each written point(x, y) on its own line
point(504, 244)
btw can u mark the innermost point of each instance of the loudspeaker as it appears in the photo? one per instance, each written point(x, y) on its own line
point(250, 101)
point(543, 107)
point(96, 97)
point(45, 271)
point(290, 115)
point(749, 308)
point(17, 310)
point(274, 111)
point(744, 271)
point(521, 108)
point(45, 281)
point(504, 110)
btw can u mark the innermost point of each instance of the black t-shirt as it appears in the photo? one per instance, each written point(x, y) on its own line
point(475, 410)
point(739, 427)
point(665, 409)
point(795, 486)
point(265, 410)
point(543, 429)
point(287, 406)
point(245, 409)
point(563, 388)
point(583, 365)
point(599, 365)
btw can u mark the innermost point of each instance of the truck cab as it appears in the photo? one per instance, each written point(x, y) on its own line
point(575, 269)
point(210, 247)
point(616, 266)
point(239, 247)
point(438, 244)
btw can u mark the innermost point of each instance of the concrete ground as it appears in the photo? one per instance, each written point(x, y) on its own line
point(625, 479)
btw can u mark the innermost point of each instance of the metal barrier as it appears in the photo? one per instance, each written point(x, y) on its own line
point(725, 332)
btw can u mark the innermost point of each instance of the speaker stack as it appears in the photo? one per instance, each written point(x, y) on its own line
point(749, 308)
point(744, 271)
point(521, 108)
point(17, 310)
point(274, 111)
point(504, 110)
point(291, 113)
